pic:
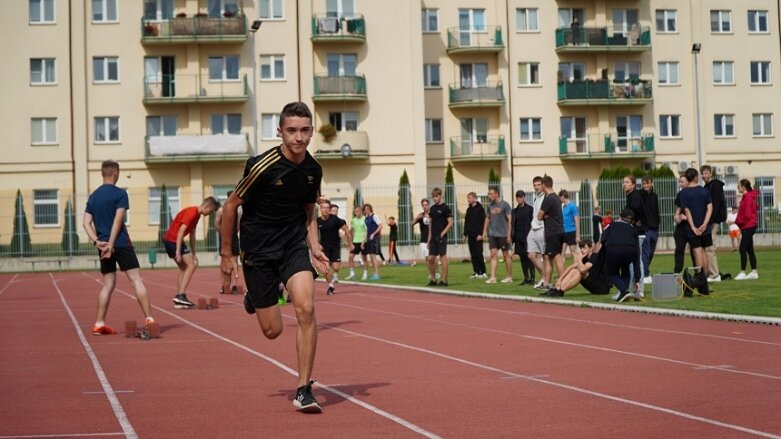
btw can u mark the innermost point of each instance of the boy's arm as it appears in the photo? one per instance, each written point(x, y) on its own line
point(319, 260)
point(89, 228)
point(116, 226)
point(227, 229)
point(448, 226)
point(348, 236)
point(180, 240)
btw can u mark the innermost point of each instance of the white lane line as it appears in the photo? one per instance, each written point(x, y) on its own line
point(34, 436)
point(723, 368)
point(119, 412)
point(561, 385)
point(12, 280)
point(571, 319)
point(374, 409)
point(97, 392)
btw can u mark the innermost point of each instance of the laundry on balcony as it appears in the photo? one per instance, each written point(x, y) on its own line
point(328, 25)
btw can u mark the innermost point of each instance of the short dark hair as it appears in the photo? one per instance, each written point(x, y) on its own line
point(585, 243)
point(703, 168)
point(564, 194)
point(627, 215)
point(746, 184)
point(494, 188)
point(108, 167)
point(436, 191)
point(424, 200)
point(690, 174)
point(212, 201)
point(647, 178)
point(325, 201)
point(536, 179)
point(520, 193)
point(294, 109)
point(632, 179)
point(369, 206)
point(547, 181)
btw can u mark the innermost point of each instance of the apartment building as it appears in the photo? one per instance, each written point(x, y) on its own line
point(181, 92)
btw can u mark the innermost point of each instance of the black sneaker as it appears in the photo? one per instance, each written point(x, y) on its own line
point(234, 290)
point(442, 283)
point(305, 401)
point(181, 300)
point(623, 296)
point(725, 276)
point(329, 291)
point(249, 307)
point(431, 283)
point(554, 292)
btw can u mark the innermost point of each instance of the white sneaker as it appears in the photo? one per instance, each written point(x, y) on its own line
point(350, 277)
point(365, 276)
point(741, 276)
point(540, 285)
point(336, 278)
point(752, 275)
point(648, 280)
point(439, 276)
point(716, 278)
point(474, 276)
point(483, 276)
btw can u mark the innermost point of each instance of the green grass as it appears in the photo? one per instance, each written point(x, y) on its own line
point(760, 297)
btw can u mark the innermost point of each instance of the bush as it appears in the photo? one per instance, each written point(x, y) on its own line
point(328, 131)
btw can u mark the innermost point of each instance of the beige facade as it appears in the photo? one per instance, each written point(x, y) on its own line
point(410, 85)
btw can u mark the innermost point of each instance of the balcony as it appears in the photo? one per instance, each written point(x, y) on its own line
point(487, 95)
point(597, 39)
point(344, 29)
point(606, 146)
point(185, 30)
point(484, 149)
point(344, 145)
point(194, 89)
point(474, 40)
point(339, 89)
point(604, 92)
point(197, 148)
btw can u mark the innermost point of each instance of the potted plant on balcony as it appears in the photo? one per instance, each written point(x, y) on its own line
point(181, 15)
point(328, 132)
point(151, 29)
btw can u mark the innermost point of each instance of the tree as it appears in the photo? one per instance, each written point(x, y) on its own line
point(357, 198)
point(405, 210)
point(493, 178)
point(450, 200)
point(165, 217)
point(211, 234)
point(70, 239)
point(21, 245)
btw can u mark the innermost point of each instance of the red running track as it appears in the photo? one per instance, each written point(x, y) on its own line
point(390, 363)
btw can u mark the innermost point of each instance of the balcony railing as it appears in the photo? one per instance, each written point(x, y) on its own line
point(599, 39)
point(474, 39)
point(605, 93)
point(344, 145)
point(350, 28)
point(487, 95)
point(484, 148)
point(187, 89)
point(339, 88)
point(194, 29)
point(602, 146)
point(197, 148)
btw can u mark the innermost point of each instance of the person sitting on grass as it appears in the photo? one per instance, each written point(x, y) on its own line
point(586, 271)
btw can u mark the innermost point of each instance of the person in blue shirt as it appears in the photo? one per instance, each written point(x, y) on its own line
point(697, 206)
point(571, 222)
point(373, 231)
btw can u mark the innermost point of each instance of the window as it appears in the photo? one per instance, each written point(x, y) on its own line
point(528, 73)
point(43, 71)
point(572, 71)
point(567, 15)
point(340, 8)
point(668, 73)
point(669, 125)
point(106, 129)
point(272, 67)
point(574, 130)
point(226, 123)
point(342, 64)
point(155, 195)
point(627, 70)
point(624, 19)
point(431, 76)
point(43, 130)
point(471, 20)
point(723, 72)
point(628, 132)
point(105, 69)
point(272, 9)
point(720, 21)
point(158, 9)
point(220, 192)
point(224, 68)
point(269, 124)
point(526, 20)
point(473, 75)
point(46, 204)
point(104, 10)
point(161, 125)
point(757, 21)
point(766, 188)
point(760, 72)
point(223, 8)
point(763, 124)
point(430, 19)
point(531, 128)
point(433, 130)
point(41, 11)
point(666, 20)
point(724, 125)
point(344, 121)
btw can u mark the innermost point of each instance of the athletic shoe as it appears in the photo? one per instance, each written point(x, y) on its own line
point(249, 307)
point(716, 278)
point(181, 300)
point(437, 275)
point(491, 280)
point(752, 275)
point(365, 276)
point(305, 401)
point(329, 291)
point(442, 283)
point(473, 276)
point(375, 277)
point(615, 297)
point(540, 285)
point(103, 330)
point(622, 296)
point(638, 295)
point(507, 280)
point(431, 283)
point(741, 276)
point(482, 276)
point(554, 292)
point(648, 280)
point(350, 277)
point(725, 276)
point(336, 278)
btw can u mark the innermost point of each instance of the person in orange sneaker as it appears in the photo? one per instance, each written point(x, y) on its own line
point(104, 223)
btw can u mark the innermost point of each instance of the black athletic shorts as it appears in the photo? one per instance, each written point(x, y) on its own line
point(372, 246)
point(521, 247)
point(357, 250)
point(554, 244)
point(498, 243)
point(437, 246)
point(595, 285)
point(170, 249)
point(705, 240)
point(569, 238)
point(124, 256)
point(334, 254)
point(263, 273)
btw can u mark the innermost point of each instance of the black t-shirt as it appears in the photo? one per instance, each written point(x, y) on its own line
point(329, 231)
point(439, 215)
point(554, 221)
point(275, 192)
point(394, 232)
point(424, 222)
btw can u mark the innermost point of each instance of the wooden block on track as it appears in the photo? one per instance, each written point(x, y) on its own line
point(202, 303)
point(131, 328)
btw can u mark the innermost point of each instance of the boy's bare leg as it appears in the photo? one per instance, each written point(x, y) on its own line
point(186, 270)
point(301, 286)
point(443, 261)
point(134, 276)
point(270, 320)
point(104, 297)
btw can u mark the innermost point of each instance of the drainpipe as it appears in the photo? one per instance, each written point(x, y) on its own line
point(510, 142)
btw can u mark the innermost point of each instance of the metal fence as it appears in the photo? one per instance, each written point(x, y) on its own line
point(49, 222)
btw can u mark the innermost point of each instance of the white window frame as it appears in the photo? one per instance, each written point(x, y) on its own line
point(724, 123)
point(45, 62)
point(104, 11)
point(760, 71)
point(220, 192)
point(42, 11)
point(223, 68)
point(105, 61)
point(722, 68)
point(754, 16)
point(348, 120)
point(223, 9)
point(271, 62)
point(767, 191)
point(765, 124)
point(429, 73)
point(104, 122)
point(268, 126)
point(160, 13)
point(666, 15)
point(45, 122)
point(431, 130)
point(342, 64)
point(724, 16)
point(275, 10)
point(529, 68)
point(161, 120)
point(225, 122)
point(628, 68)
point(527, 20)
point(153, 215)
point(426, 14)
point(667, 128)
point(46, 202)
point(529, 123)
point(665, 71)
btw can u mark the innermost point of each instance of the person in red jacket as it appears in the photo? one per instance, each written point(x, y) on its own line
point(747, 221)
